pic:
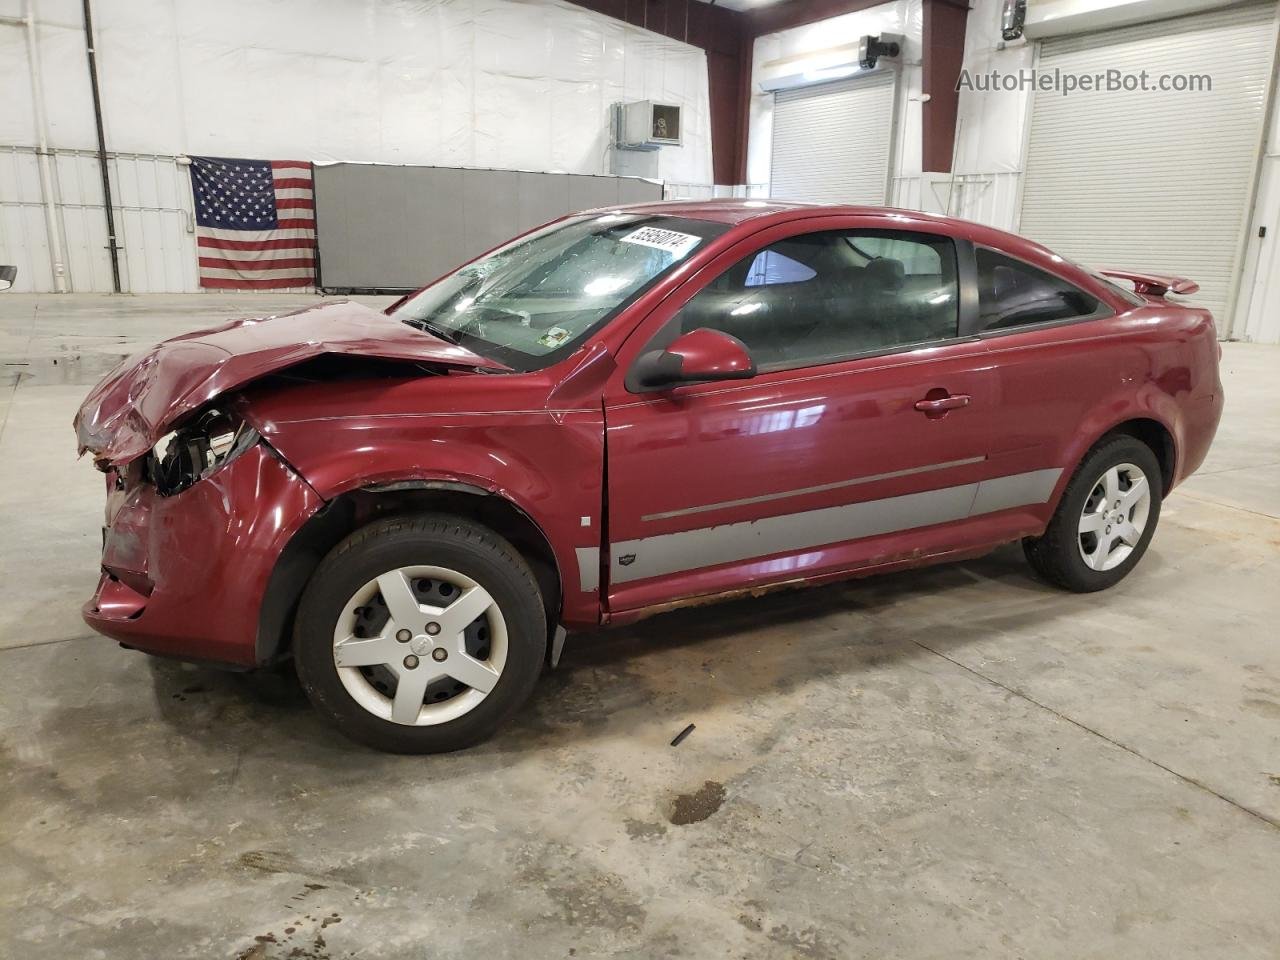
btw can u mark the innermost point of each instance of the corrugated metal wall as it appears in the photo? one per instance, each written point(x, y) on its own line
point(1149, 179)
point(154, 221)
point(154, 225)
point(833, 142)
point(480, 84)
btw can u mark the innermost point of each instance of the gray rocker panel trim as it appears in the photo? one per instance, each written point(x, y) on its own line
point(725, 543)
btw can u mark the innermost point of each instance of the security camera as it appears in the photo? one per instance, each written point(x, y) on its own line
point(871, 49)
point(1012, 18)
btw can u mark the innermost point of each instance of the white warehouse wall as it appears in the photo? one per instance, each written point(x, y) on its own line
point(991, 139)
point(990, 136)
point(902, 17)
point(513, 84)
point(991, 127)
point(1258, 314)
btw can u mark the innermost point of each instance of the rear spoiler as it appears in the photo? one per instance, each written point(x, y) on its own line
point(1154, 284)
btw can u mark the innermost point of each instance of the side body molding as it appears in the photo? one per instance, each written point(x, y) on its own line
point(725, 543)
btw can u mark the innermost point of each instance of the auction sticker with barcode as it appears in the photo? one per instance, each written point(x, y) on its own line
point(669, 240)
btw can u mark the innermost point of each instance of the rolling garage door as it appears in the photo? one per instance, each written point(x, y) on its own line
point(832, 142)
point(1158, 181)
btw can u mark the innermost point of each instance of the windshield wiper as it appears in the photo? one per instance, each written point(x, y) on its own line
point(444, 333)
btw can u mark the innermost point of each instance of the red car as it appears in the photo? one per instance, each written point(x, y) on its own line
point(620, 413)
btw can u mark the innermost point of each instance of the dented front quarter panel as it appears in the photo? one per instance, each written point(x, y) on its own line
point(138, 402)
point(186, 574)
point(498, 433)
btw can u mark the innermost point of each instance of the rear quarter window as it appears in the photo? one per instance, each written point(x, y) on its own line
point(1014, 294)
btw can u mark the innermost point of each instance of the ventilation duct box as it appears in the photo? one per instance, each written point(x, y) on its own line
point(645, 125)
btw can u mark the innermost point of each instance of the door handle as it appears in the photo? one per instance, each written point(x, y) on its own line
point(943, 404)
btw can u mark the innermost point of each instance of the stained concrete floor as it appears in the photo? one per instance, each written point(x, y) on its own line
point(958, 762)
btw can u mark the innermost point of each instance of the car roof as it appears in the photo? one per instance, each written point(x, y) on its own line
point(734, 210)
point(721, 210)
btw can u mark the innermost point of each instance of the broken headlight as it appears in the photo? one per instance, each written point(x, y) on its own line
point(194, 451)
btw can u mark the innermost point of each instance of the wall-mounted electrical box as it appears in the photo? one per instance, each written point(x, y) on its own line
point(645, 125)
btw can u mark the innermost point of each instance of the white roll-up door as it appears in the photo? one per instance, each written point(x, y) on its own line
point(833, 142)
point(1154, 180)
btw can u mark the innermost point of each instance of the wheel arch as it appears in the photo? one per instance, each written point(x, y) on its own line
point(1157, 437)
point(1143, 426)
point(359, 506)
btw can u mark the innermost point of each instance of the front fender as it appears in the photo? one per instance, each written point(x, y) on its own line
point(548, 465)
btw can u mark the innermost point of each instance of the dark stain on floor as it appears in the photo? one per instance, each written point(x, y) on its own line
point(642, 830)
point(295, 943)
point(697, 806)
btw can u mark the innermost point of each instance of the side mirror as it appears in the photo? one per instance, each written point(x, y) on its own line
point(7, 275)
point(695, 357)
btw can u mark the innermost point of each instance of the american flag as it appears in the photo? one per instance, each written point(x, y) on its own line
point(255, 223)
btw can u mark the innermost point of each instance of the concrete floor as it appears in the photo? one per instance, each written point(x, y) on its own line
point(959, 762)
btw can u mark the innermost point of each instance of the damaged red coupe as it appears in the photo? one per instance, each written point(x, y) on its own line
point(619, 413)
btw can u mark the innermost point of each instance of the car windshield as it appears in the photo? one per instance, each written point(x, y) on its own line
point(534, 301)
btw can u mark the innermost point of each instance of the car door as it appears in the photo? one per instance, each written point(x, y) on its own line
point(864, 433)
point(1058, 363)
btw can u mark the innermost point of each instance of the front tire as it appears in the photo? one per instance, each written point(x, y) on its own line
point(420, 634)
point(1105, 520)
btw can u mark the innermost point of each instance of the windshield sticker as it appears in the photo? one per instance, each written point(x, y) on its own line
point(554, 337)
point(675, 243)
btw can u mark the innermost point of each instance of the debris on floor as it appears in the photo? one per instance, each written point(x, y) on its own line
point(681, 735)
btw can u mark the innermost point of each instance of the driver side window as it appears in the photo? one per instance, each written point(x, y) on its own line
point(822, 297)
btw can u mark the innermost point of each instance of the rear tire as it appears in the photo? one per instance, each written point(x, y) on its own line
point(383, 652)
point(1105, 519)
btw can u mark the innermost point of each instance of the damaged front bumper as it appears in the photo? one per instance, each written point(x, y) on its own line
point(185, 575)
point(199, 506)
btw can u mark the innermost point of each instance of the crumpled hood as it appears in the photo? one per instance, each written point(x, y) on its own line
point(137, 402)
